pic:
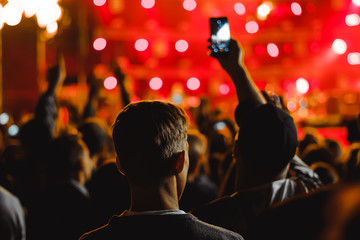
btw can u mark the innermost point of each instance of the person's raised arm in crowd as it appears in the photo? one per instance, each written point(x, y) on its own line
point(46, 109)
point(233, 64)
point(120, 76)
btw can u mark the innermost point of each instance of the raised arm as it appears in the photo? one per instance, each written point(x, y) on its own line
point(120, 76)
point(233, 64)
point(46, 110)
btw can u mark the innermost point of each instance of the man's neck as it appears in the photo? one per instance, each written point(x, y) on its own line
point(161, 197)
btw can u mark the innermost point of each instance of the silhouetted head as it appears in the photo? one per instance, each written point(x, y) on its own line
point(148, 136)
point(94, 133)
point(197, 148)
point(68, 157)
point(267, 139)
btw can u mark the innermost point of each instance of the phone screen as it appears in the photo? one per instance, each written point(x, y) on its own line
point(220, 35)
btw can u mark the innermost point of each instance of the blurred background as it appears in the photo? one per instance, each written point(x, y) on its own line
point(307, 51)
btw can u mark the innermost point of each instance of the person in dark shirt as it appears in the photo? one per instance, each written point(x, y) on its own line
point(264, 146)
point(150, 139)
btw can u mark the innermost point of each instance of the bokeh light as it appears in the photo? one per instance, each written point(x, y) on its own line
point(239, 8)
point(260, 50)
point(273, 50)
point(99, 3)
point(356, 2)
point(99, 44)
point(288, 48)
point(193, 83)
point(252, 27)
point(147, 3)
point(48, 12)
point(352, 20)
point(141, 44)
point(110, 83)
point(13, 130)
point(339, 46)
point(11, 14)
point(354, 58)
point(302, 85)
point(52, 28)
point(177, 98)
point(181, 45)
point(189, 5)
point(264, 10)
point(296, 8)
point(155, 83)
point(224, 89)
point(4, 118)
point(292, 106)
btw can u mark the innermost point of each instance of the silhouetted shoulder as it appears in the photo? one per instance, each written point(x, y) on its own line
point(173, 226)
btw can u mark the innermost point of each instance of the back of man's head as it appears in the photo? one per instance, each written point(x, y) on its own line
point(94, 133)
point(147, 136)
point(66, 155)
point(267, 139)
point(197, 148)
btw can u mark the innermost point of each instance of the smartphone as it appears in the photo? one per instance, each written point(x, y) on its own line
point(220, 35)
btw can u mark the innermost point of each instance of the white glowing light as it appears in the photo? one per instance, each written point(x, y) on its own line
point(11, 14)
point(4, 118)
point(302, 85)
point(352, 20)
point(239, 8)
point(354, 58)
point(273, 50)
point(356, 2)
point(252, 27)
point(339, 46)
point(193, 83)
point(13, 130)
point(189, 5)
point(52, 28)
point(48, 13)
point(264, 10)
point(296, 8)
point(155, 83)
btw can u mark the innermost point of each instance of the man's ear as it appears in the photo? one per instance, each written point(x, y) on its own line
point(180, 162)
point(118, 164)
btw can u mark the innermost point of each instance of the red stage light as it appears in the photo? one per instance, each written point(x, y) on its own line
point(110, 83)
point(273, 50)
point(141, 44)
point(99, 3)
point(314, 47)
point(147, 3)
point(239, 8)
point(296, 8)
point(339, 46)
point(99, 44)
point(354, 58)
point(193, 83)
point(155, 83)
point(189, 5)
point(287, 47)
point(260, 50)
point(352, 20)
point(252, 27)
point(224, 89)
point(181, 45)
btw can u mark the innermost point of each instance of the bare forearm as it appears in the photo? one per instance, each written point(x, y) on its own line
point(245, 87)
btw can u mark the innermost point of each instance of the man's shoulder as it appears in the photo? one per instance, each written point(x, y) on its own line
point(159, 226)
point(219, 205)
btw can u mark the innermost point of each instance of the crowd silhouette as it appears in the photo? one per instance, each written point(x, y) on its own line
point(150, 174)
